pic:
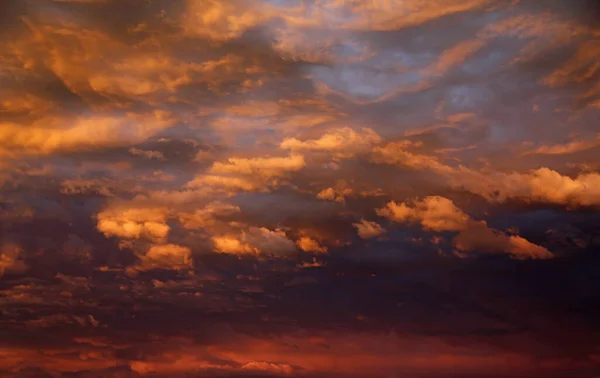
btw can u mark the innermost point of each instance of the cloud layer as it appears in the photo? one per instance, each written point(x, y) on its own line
point(316, 188)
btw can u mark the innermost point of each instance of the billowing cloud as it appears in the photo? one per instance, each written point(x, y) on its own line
point(435, 213)
point(441, 214)
point(134, 223)
point(308, 244)
point(255, 240)
point(368, 230)
point(166, 256)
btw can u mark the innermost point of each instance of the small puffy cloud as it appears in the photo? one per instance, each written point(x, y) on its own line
point(308, 244)
point(334, 194)
point(207, 216)
point(434, 213)
point(81, 186)
point(233, 246)
point(270, 242)
point(148, 154)
point(341, 142)
point(134, 223)
point(368, 230)
point(166, 256)
point(255, 240)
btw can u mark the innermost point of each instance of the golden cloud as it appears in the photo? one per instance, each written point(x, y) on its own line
point(368, 230)
point(440, 214)
point(308, 244)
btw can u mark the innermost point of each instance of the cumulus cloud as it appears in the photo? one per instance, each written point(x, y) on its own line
point(441, 215)
point(368, 230)
point(255, 240)
point(434, 212)
point(148, 154)
point(308, 244)
point(207, 216)
point(542, 184)
point(166, 256)
point(134, 223)
point(342, 143)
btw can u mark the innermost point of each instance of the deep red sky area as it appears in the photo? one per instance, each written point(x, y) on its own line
point(300, 188)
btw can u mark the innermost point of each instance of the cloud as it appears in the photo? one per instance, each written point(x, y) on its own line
point(221, 21)
point(226, 183)
point(368, 230)
point(440, 214)
point(147, 154)
point(435, 213)
point(166, 256)
point(207, 217)
point(342, 142)
point(337, 195)
point(542, 184)
point(266, 167)
point(207, 167)
point(567, 148)
point(231, 245)
point(133, 223)
point(480, 237)
point(10, 261)
point(262, 366)
point(308, 244)
point(85, 132)
point(254, 241)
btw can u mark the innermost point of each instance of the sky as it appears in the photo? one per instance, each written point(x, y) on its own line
point(299, 188)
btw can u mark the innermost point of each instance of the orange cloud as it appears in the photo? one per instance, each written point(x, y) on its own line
point(147, 154)
point(207, 217)
point(368, 230)
point(134, 223)
point(435, 213)
point(9, 259)
point(49, 135)
point(255, 240)
point(166, 256)
point(266, 167)
point(342, 142)
point(310, 245)
point(441, 215)
point(543, 184)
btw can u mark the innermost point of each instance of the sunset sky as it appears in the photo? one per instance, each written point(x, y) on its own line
point(300, 188)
